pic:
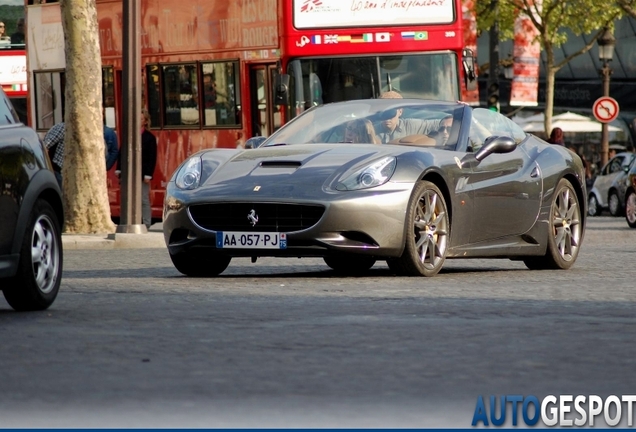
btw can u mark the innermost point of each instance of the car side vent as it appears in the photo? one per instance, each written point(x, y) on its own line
point(281, 164)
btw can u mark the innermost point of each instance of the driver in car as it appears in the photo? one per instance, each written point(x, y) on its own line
point(392, 126)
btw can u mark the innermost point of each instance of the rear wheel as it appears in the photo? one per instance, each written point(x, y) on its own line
point(428, 227)
point(35, 285)
point(593, 209)
point(614, 204)
point(199, 263)
point(565, 231)
point(630, 209)
point(350, 264)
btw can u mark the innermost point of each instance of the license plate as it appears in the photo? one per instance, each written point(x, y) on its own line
point(251, 240)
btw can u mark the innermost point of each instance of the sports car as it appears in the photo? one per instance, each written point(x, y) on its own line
point(405, 181)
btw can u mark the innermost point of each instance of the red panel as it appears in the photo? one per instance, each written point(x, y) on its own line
point(385, 39)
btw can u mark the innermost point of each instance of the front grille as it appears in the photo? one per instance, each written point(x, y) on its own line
point(272, 217)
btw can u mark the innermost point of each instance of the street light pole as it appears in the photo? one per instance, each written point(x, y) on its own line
point(606, 44)
point(606, 71)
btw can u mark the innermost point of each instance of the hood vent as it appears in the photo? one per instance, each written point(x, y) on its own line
point(281, 164)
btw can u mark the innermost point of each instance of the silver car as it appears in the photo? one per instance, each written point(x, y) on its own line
point(409, 182)
point(608, 190)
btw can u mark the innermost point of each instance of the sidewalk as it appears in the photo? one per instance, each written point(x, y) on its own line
point(152, 239)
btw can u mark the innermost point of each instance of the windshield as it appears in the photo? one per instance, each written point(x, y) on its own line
point(324, 80)
point(375, 121)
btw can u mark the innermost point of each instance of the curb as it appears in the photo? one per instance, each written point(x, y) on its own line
point(113, 241)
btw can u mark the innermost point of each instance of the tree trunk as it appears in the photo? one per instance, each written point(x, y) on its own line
point(86, 204)
point(550, 72)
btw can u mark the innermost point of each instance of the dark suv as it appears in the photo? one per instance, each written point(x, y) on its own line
point(31, 216)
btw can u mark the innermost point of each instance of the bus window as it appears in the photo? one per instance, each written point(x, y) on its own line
point(317, 81)
point(220, 94)
point(180, 95)
point(49, 99)
point(422, 76)
point(153, 94)
point(325, 80)
point(108, 93)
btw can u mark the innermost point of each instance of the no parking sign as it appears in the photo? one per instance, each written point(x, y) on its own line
point(605, 109)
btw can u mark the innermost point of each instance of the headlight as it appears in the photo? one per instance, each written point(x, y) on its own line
point(376, 174)
point(189, 175)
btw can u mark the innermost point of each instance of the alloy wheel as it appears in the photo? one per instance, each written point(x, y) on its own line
point(431, 230)
point(566, 220)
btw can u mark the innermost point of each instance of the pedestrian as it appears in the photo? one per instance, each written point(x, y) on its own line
point(148, 163)
point(111, 144)
point(54, 143)
point(17, 37)
point(589, 176)
point(556, 137)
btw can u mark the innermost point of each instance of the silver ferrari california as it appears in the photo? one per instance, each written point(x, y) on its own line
point(409, 182)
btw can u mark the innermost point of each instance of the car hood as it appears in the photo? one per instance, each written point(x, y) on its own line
point(293, 171)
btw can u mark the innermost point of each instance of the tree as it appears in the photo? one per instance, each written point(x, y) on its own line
point(552, 18)
point(86, 204)
point(628, 6)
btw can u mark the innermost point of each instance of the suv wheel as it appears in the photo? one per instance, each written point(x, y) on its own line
point(35, 285)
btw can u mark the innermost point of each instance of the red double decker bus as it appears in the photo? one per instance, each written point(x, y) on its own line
point(216, 73)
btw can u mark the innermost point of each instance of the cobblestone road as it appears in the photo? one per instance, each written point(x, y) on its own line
point(285, 343)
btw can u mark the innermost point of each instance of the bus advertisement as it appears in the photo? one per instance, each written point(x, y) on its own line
point(216, 73)
point(13, 77)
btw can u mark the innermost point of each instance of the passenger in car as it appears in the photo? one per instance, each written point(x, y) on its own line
point(442, 133)
point(360, 131)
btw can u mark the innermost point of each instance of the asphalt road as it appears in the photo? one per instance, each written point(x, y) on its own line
point(285, 343)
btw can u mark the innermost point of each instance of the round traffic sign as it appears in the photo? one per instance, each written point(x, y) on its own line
point(605, 109)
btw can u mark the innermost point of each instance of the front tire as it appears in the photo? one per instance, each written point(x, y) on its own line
point(351, 264)
point(593, 208)
point(37, 282)
point(199, 263)
point(614, 204)
point(428, 227)
point(630, 209)
point(565, 231)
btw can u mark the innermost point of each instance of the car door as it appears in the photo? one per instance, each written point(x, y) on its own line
point(506, 188)
point(604, 181)
point(622, 183)
point(12, 175)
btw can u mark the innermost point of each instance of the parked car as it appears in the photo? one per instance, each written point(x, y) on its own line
point(476, 186)
point(630, 196)
point(608, 188)
point(31, 216)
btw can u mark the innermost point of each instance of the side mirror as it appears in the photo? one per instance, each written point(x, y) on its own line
point(254, 142)
point(495, 144)
point(281, 90)
point(470, 73)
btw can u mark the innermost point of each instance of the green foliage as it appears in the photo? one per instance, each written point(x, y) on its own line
point(552, 19)
point(9, 15)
